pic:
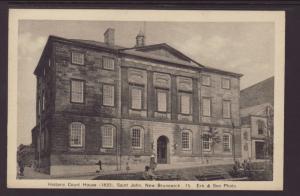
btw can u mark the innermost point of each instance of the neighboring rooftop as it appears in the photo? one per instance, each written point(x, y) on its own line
point(257, 94)
point(259, 110)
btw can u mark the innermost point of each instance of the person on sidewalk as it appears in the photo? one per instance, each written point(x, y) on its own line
point(21, 167)
point(152, 163)
point(100, 166)
point(148, 174)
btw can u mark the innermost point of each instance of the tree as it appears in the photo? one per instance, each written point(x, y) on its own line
point(213, 137)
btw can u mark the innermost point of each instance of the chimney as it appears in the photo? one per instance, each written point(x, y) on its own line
point(109, 36)
point(140, 39)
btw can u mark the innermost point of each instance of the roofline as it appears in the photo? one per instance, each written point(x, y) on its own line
point(165, 44)
point(160, 60)
point(256, 83)
point(53, 38)
point(211, 69)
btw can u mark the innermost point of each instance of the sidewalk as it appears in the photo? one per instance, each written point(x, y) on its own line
point(29, 173)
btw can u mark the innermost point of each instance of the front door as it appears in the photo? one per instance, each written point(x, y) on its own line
point(259, 150)
point(162, 149)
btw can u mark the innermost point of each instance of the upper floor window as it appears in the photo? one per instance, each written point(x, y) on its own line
point(226, 142)
point(185, 103)
point(76, 134)
point(186, 140)
point(260, 127)
point(136, 97)
point(206, 80)
point(107, 133)
point(78, 58)
point(225, 83)
point(226, 109)
point(162, 96)
point(206, 140)
point(43, 100)
point(77, 91)
point(108, 95)
point(108, 63)
point(137, 137)
point(206, 106)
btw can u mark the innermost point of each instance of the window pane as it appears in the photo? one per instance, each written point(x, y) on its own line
point(108, 63)
point(77, 58)
point(260, 126)
point(76, 134)
point(107, 136)
point(226, 143)
point(162, 101)
point(185, 104)
point(108, 95)
point(206, 107)
point(226, 109)
point(206, 142)
point(225, 83)
point(77, 91)
point(136, 98)
point(136, 138)
point(185, 140)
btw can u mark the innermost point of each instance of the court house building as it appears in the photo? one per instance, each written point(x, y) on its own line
point(100, 101)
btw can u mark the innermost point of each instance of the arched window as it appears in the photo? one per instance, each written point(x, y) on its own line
point(137, 135)
point(107, 133)
point(260, 126)
point(186, 140)
point(226, 142)
point(76, 134)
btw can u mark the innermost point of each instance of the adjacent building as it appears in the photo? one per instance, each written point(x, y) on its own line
point(100, 101)
point(257, 119)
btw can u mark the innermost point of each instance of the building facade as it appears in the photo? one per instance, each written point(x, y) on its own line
point(100, 101)
point(257, 114)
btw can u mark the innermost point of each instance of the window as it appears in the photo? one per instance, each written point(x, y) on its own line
point(77, 91)
point(185, 140)
point(136, 98)
point(39, 106)
point(162, 100)
point(78, 58)
point(206, 106)
point(205, 80)
point(185, 103)
point(226, 142)
point(43, 100)
point(206, 142)
point(260, 127)
point(245, 135)
point(108, 63)
point(136, 137)
point(107, 132)
point(108, 95)
point(76, 134)
point(226, 109)
point(42, 136)
point(225, 83)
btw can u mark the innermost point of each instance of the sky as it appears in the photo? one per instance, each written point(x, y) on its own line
point(241, 47)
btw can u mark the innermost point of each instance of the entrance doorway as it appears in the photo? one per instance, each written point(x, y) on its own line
point(259, 150)
point(162, 150)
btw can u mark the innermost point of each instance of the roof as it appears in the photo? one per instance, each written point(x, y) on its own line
point(159, 58)
point(259, 93)
point(138, 52)
point(259, 110)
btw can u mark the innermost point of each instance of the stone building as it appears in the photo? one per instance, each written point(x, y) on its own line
point(257, 119)
point(100, 101)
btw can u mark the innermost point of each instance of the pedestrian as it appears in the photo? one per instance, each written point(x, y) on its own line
point(148, 174)
point(21, 167)
point(152, 162)
point(100, 165)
